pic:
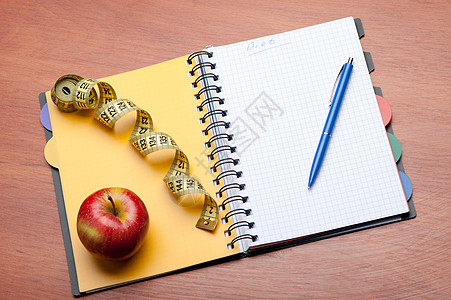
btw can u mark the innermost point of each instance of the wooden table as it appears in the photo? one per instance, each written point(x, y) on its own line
point(410, 43)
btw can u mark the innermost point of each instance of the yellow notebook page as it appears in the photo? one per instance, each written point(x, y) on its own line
point(91, 156)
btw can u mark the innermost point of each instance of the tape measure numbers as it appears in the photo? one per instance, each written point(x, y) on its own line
point(72, 92)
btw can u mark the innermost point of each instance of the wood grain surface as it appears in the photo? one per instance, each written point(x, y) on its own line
point(410, 43)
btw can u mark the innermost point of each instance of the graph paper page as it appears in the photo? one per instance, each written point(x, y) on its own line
point(277, 91)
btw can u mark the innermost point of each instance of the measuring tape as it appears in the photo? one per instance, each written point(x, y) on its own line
point(72, 92)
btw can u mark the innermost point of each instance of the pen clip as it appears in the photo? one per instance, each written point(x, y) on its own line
point(335, 85)
point(350, 61)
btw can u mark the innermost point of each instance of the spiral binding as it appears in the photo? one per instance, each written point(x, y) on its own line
point(203, 77)
point(234, 226)
point(208, 101)
point(224, 174)
point(222, 161)
point(219, 149)
point(229, 186)
point(230, 199)
point(215, 88)
point(235, 212)
point(202, 66)
point(216, 124)
point(219, 136)
point(213, 112)
point(196, 54)
point(224, 165)
point(251, 237)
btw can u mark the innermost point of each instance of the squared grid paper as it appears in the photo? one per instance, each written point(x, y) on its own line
point(358, 180)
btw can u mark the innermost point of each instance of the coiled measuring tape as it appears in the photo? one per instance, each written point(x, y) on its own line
point(72, 92)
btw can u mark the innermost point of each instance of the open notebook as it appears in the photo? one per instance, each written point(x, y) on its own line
point(265, 101)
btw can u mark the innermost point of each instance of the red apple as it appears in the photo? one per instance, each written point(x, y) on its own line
point(112, 223)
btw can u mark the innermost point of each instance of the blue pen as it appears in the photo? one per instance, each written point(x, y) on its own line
point(337, 93)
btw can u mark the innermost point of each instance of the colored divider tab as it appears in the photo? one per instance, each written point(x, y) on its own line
point(385, 109)
point(45, 118)
point(406, 184)
point(395, 146)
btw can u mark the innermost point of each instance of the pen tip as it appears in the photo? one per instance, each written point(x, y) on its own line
point(308, 188)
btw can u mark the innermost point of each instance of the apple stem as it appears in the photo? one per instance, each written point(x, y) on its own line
point(114, 207)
